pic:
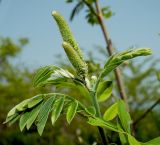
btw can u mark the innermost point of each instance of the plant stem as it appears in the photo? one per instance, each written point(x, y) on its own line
point(98, 114)
point(110, 51)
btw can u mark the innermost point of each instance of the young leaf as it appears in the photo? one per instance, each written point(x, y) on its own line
point(124, 116)
point(132, 140)
point(99, 122)
point(20, 107)
point(104, 90)
point(91, 110)
point(155, 141)
point(42, 75)
point(72, 111)
point(34, 101)
point(51, 75)
point(23, 120)
point(57, 108)
point(111, 112)
point(123, 137)
point(43, 114)
point(75, 86)
point(14, 120)
point(117, 59)
point(33, 116)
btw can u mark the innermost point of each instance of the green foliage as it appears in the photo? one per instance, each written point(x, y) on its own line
point(111, 112)
point(117, 59)
point(104, 90)
point(51, 75)
point(37, 109)
point(57, 109)
point(91, 14)
point(72, 109)
point(155, 141)
point(43, 114)
point(124, 116)
point(132, 140)
point(100, 122)
point(92, 18)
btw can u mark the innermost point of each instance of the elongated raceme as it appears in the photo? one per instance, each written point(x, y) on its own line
point(77, 62)
point(66, 33)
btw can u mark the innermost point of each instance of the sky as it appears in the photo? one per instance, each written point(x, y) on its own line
point(135, 23)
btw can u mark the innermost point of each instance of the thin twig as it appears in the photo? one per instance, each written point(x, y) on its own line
point(146, 113)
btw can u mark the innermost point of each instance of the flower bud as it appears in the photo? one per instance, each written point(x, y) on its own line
point(74, 58)
point(66, 32)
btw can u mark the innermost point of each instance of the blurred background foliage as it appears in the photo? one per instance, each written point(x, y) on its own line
point(16, 84)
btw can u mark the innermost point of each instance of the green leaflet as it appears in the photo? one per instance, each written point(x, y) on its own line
point(57, 108)
point(71, 111)
point(91, 110)
point(100, 122)
point(43, 114)
point(10, 118)
point(33, 116)
point(75, 86)
point(124, 116)
point(155, 141)
point(66, 33)
point(23, 120)
point(111, 112)
point(13, 120)
point(132, 140)
point(20, 107)
point(77, 62)
point(34, 101)
point(123, 137)
point(42, 75)
point(104, 90)
point(51, 75)
point(117, 59)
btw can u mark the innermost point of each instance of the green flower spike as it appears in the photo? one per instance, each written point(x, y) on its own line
point(77, 62)
point(66, 33)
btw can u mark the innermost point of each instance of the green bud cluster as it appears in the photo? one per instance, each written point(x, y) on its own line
point(66, 33)
point(71, 46)
point(74, 58)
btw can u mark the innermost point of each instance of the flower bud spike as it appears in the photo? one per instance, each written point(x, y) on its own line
point(66, 33)
point(76, 61)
